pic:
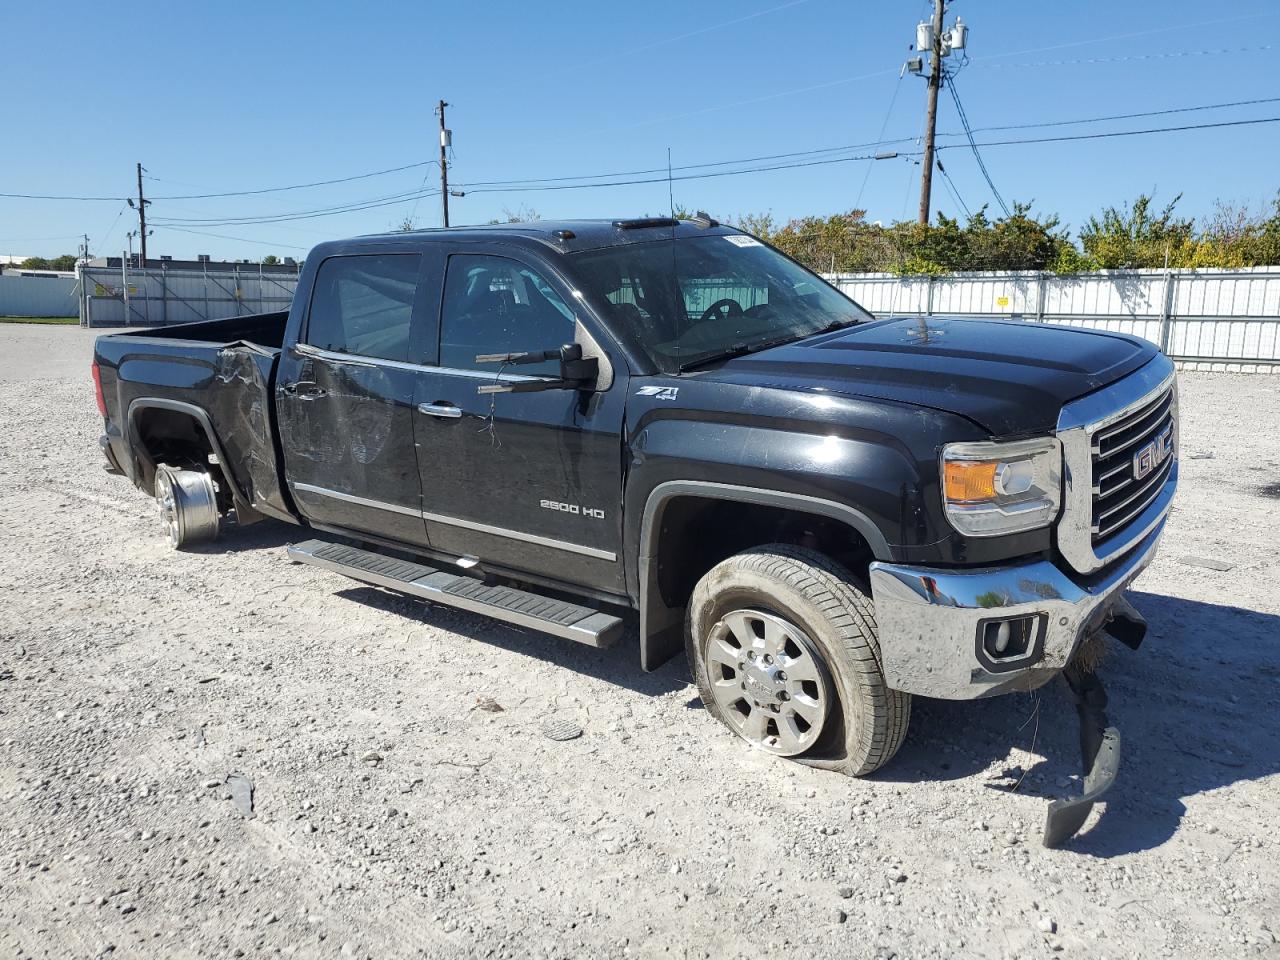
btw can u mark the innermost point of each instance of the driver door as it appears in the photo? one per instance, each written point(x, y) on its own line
point(528, 481)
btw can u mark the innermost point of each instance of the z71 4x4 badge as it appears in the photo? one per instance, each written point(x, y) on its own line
point(658, 393)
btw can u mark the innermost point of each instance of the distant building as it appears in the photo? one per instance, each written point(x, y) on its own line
point(289, 266)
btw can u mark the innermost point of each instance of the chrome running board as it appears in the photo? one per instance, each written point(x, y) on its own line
point(519, 607)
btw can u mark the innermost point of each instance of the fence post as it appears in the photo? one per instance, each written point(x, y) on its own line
point(1166, 312)
point(1040, 295)
point(928, 298)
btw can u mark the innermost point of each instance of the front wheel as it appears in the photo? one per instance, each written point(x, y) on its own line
point(783, 646)
point(188, 505)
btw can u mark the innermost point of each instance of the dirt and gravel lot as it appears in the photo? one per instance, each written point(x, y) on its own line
point(407, 803)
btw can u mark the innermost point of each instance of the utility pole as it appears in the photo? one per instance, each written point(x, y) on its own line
point(446, 138)
point(931, 111)
point(142, 219)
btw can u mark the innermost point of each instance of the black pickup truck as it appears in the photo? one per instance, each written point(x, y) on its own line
point(559, 423)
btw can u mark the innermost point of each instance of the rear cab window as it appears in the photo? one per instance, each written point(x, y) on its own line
point(363, 305)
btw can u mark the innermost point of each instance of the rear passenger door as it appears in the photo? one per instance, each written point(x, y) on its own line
point(345, 397)
point(530, 481)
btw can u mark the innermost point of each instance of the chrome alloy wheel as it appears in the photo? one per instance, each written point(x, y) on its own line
point(768, 681)
point(188, 504)
point(167, 502)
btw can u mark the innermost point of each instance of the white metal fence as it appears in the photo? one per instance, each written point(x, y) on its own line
point(37, 296)
point(160, 295)
point(1218, 319)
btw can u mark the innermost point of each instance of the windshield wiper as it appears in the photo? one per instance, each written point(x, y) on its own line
point(741, 350)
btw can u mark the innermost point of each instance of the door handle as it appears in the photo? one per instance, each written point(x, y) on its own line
point(440, 408)
point(304, 390)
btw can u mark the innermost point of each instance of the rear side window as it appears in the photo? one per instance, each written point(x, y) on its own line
point(496, 305)
point(363, 305)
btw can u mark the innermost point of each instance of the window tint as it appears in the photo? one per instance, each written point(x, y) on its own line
point(495, 305)
point(362, 305)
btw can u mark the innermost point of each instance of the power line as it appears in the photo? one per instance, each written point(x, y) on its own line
point(47, 196)
point(249, 221)
point(223, 236)
point(964, 121)
point(302, 214)
point(622, 54)
point(1128, 133)
point(880, 141)
point(1120, 116)
point(1122, 36)
point(295, 186)
point(953, 189)
point(1167, 55)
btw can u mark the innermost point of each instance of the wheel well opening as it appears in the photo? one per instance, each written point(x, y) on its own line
point(178, 439)
point(694, 534)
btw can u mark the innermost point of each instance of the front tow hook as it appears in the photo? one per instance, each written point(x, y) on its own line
point(1099, 750)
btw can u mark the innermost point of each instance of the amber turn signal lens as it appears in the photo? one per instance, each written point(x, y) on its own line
point(967, 481)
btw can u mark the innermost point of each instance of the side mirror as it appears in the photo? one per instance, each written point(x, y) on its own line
point(576, 371)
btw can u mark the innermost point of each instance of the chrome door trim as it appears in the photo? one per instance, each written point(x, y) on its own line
point(352, 498)
point(307, 350)
point(466, 524)
point(526, 537)
point(441, 408)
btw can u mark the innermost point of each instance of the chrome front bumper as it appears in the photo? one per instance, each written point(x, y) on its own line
point(930, 620)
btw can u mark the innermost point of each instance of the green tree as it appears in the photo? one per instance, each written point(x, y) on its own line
point(1134, 237)
point(270, 260)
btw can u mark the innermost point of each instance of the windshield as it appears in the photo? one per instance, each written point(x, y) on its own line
point(692, 300)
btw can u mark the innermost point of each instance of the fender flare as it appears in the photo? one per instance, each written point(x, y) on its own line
point(201, 417)
point(662, 627)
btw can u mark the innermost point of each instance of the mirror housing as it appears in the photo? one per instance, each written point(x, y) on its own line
point(576, 371)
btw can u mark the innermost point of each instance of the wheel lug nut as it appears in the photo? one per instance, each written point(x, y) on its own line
point(751, 654)
point(782, 677)
point(768, 658)
point(784, 696)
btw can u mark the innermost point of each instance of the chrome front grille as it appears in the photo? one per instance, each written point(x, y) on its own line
point(1120, 465)
point(1131, 460)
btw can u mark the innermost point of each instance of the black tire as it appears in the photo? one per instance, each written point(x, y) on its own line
point(866, 721)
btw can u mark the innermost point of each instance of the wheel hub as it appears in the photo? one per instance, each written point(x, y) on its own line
point(762, 682)
point(768, 681)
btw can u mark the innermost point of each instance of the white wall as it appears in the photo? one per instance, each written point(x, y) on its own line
point(1218, 319)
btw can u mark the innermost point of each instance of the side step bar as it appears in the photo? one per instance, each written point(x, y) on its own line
point(519, 607)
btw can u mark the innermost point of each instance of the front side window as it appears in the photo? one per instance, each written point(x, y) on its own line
point(689, 300)
point(363, 305)
point(495, 305)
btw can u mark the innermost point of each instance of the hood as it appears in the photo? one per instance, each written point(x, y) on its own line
point(1010, 377)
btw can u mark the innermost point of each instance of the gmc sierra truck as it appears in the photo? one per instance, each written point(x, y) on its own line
point(557, 424)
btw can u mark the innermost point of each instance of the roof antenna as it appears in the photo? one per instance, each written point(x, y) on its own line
point(671, 203)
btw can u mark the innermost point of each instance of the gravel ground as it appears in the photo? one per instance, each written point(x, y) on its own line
point(407, 803)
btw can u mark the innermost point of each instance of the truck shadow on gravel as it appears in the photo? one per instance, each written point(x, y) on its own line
point(618, 665)
point(1195, 707)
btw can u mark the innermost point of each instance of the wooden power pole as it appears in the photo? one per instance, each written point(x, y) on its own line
point(142, 220)
point(931, 115)
point(444, 164)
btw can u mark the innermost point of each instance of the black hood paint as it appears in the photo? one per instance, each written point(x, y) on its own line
point(1008, 376)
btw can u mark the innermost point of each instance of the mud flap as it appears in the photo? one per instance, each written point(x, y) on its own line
point(1099, 750)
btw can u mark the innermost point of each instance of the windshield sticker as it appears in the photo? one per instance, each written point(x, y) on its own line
point(740, 241)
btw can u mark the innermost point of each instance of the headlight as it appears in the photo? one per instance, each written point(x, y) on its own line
point(991, 489)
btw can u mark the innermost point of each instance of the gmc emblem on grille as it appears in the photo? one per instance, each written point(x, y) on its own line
point(1153, 454)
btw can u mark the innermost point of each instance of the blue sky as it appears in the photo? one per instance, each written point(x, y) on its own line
point(243, 96)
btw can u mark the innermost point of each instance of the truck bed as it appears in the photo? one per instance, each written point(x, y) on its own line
point(222, 373)
point(262, 329)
